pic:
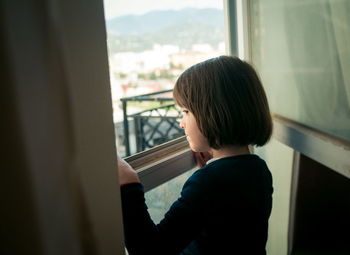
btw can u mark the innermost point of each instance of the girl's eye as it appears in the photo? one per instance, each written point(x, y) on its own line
point(185, 111)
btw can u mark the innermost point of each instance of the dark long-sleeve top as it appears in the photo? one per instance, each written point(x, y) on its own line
point(224, 208)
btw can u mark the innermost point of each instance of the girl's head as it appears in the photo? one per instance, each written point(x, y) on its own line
point(227, 100)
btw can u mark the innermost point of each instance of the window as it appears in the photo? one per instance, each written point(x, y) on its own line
point(160, 199)
point(150, 43)
point(300, 49)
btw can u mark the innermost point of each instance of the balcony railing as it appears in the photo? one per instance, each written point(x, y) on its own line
point(152, 126)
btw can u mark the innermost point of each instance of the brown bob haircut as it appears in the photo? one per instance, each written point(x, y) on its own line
point(228, 101)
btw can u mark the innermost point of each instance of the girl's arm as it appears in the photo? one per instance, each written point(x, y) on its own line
point(180, 225)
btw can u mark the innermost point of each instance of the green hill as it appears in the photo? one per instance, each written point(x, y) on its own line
point(179, 27)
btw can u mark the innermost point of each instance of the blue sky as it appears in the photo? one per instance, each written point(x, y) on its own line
point(122, 7)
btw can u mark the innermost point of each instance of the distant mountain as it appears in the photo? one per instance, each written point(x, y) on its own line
point(180, 27)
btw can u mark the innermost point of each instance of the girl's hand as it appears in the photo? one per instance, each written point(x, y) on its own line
point(202, 157)
point(126, 173)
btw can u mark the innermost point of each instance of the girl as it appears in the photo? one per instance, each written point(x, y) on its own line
point(224, 207)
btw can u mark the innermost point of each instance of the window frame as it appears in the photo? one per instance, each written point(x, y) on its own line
point(326, 149)
point(162, 163)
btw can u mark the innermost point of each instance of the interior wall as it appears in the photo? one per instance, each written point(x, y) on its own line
point(279, 159)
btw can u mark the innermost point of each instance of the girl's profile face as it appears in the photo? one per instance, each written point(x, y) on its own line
point(195, 138)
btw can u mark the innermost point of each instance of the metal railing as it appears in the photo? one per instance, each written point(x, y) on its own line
point(152, 126)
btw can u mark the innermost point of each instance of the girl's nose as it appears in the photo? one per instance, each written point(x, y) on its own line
point(182, 124)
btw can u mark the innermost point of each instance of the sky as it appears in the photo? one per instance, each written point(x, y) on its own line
point(115, 8)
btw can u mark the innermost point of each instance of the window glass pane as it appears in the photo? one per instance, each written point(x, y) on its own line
point(160, 199)
point(149, 44)
point(301, 50)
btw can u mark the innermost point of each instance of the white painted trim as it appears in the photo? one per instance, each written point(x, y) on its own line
point(243, 29)
point(162, 163)
point(326, 149)
point(166, 169)
point(230, 20)
point(226, 29)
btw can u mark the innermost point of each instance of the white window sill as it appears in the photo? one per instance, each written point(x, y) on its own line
point(162, 163)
